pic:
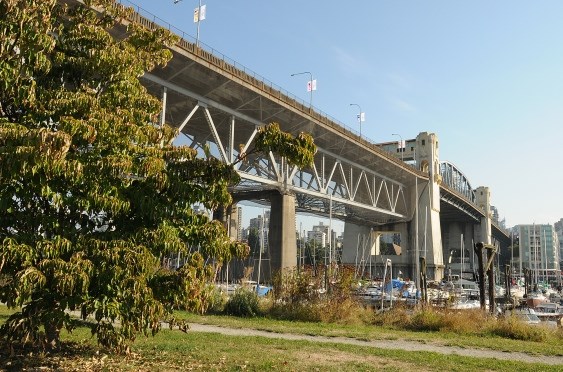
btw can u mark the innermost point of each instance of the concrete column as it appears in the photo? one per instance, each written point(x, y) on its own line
point(468, 241)
point(282, 234)
point(358, 244)
point(363, 251)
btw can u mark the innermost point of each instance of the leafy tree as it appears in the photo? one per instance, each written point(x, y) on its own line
point(254, 242)
point(91, 197)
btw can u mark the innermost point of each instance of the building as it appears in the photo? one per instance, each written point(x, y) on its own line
point(239, 227)
point(262, 226)
point(559, 230)
point(539, 251)
point(320, 235)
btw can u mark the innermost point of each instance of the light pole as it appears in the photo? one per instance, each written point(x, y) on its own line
point(359, 117)
point(199, 19)
point(309, 86)
point(401, 143)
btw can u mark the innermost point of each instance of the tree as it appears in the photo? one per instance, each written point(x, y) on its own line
point(91, 197)
point(254, 242)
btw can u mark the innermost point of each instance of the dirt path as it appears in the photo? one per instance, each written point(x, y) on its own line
point(385, 344)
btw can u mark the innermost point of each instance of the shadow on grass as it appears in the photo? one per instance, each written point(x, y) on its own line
point(68, 356)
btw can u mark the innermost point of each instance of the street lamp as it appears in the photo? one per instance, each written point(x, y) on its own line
point(200, 17)
point(310, 86)
point(360, 119)
point(401, 144)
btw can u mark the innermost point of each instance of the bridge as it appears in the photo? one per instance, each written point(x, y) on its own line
point(374, 188)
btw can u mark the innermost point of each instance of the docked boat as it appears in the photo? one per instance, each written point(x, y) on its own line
point(535, 298)
point(526, 315)
point(549, 311)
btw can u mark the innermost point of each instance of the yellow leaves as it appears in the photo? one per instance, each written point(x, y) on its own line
point(28, 281)
point(54, 248)
point(67, 278)
point(151, 166)
point(104, 200)
point(117, 164)
point(16, 255)
point(178, 154)
point(52, 146)
point(11, 132)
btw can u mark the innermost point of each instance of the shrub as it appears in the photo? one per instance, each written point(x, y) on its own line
point(397, 317)
point(511, 327)
point(426, 320)
point(243, 303)
point(302, 296)
point(305, 312)
point(465, 321)
point(217, 301)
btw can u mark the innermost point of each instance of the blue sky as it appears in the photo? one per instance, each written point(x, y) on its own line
point(485, 76)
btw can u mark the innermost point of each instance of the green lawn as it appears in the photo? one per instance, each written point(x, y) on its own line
point(553, 346)
point(174, 350)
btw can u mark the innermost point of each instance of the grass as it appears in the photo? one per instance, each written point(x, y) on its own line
point(553, 346)
point(174, 350)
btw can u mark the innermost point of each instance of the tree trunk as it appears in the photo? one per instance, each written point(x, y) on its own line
point(52, 334)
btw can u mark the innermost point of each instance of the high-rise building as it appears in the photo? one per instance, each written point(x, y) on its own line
point(539, 252)
point(319, 235)
point(559, 230)
point(262, 226)
point(239, 224)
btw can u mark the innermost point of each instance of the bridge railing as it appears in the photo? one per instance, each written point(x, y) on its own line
point(220, 60)
point(149, 20)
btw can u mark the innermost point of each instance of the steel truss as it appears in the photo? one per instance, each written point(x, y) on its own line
point(455, 179)
point(353, 191)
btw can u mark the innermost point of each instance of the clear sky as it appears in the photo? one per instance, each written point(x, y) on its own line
point(485, 76)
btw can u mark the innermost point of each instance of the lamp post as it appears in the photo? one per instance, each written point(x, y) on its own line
point(401, 148)
point(359, 117)
point(198, 19)
point(310, 85)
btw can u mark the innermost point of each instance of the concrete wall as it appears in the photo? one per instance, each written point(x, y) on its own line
point(362, 249)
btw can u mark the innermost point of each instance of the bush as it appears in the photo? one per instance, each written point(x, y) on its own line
point(305, 312)
point(467, 321)
point(511, 327)
point(217, 301)
point(426, 320)
point(301, 296)
point(243, 303)
point(396, 317)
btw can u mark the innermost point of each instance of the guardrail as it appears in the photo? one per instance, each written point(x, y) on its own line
point(229, 65)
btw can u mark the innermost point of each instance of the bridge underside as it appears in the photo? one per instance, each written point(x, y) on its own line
point(455, 208)
point(219, 104)
point(213, 108)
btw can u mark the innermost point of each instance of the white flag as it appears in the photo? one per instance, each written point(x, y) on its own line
point(202, 12)
point(311, 85)
point(401, 144)
point(361, 117)
point(199, 14)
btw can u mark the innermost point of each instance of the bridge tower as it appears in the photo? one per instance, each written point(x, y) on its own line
point(483, 200)
point(428, 199)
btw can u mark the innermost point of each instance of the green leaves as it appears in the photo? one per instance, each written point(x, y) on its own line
point(92, 200)
point(298, 151)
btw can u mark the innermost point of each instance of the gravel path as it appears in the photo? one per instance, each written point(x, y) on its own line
point(384, 344)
